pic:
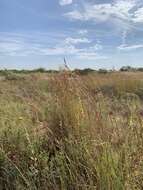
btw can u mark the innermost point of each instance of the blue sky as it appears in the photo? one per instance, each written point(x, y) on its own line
point(89, 33)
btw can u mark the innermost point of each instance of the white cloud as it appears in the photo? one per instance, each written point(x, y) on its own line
point(76, 40)
point(138, 16)
point(127, 11)
point(104, 11)
point(65, 2)
point(75, 14)
point(82, 32)
point(131, 47)
point(96, 47)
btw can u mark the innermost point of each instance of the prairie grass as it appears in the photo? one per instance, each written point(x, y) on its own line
point(68, 132)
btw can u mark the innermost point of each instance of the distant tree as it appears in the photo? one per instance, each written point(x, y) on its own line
point(140, 69)
point(40, 70)
point(83, 71)
point(127, 68)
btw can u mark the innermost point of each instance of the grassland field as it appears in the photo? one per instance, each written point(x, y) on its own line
point(65, 131)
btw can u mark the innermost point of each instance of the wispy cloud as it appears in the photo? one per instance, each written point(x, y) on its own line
point(65, 2)
point(82, 32)
point(70, 40)
point(123, 16)
point(15, 46)
point(91, 56)
point(91, 53)
point(130, 47)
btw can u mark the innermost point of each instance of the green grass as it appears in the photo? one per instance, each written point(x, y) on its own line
point(69, 132)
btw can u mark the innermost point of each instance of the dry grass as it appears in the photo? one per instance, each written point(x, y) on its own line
point(68, 132)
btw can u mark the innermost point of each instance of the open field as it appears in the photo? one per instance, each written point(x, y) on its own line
point(66, 131)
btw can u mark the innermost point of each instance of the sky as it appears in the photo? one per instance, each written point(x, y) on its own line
point(88, 33)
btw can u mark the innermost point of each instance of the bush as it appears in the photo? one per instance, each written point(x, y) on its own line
point(9, 75)
point(40, 70)
point(102, 71)
point(84, 71)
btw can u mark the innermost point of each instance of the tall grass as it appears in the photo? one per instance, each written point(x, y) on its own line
point(69, 132)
